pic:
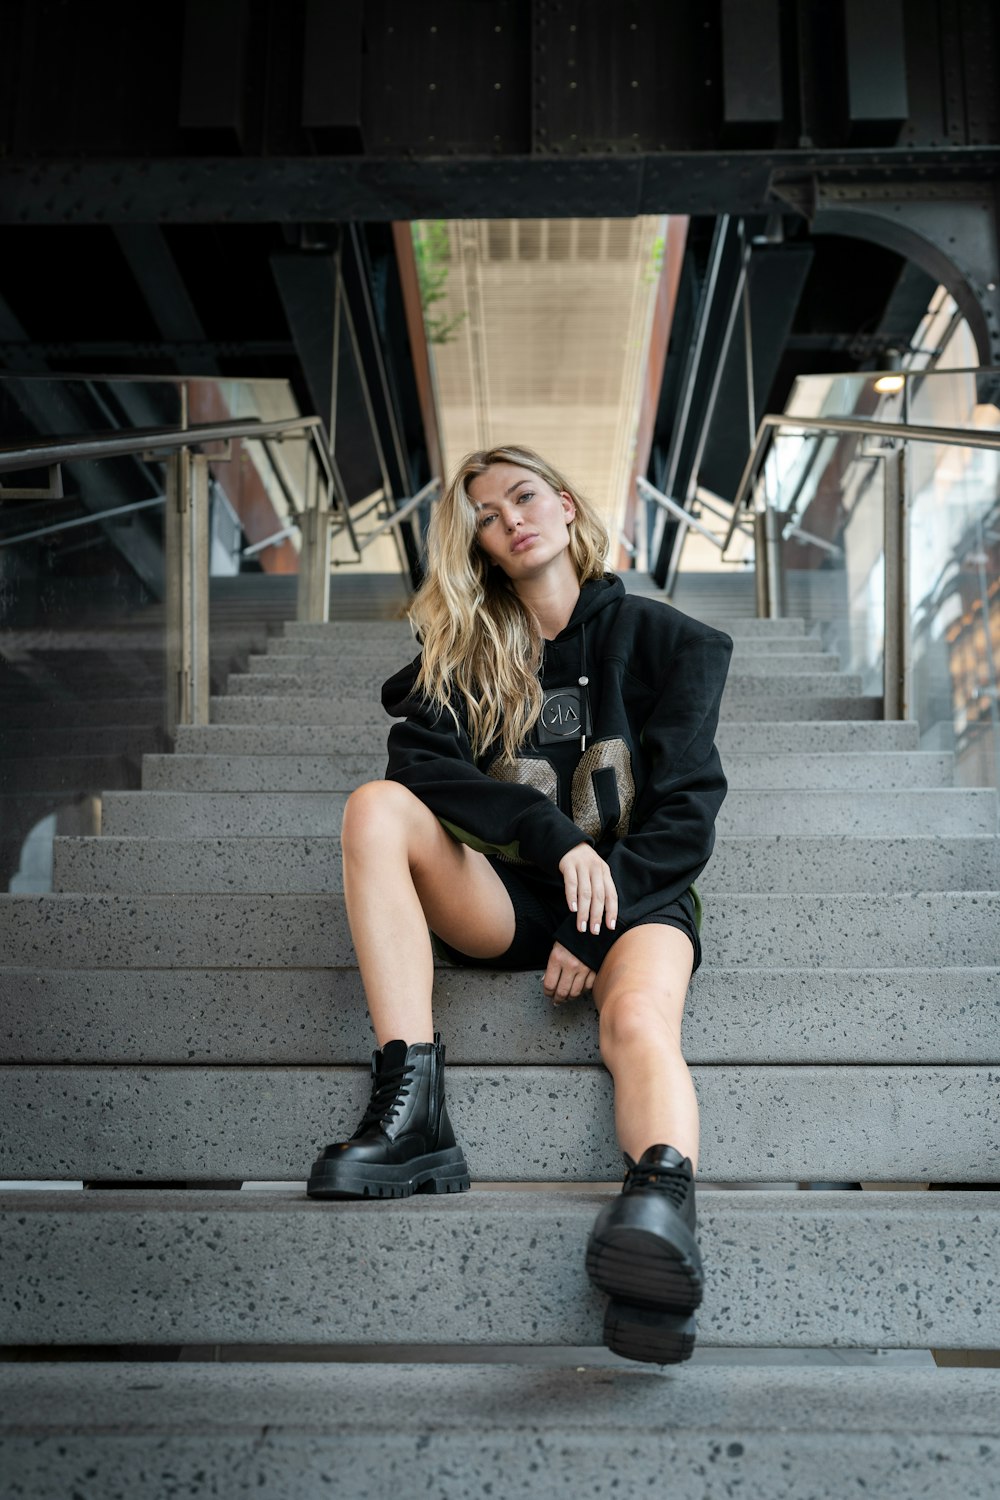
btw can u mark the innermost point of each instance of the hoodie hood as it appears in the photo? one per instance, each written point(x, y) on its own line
point(595, 595)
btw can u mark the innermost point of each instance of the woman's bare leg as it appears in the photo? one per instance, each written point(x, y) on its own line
point(403, 873)
point(639, 992)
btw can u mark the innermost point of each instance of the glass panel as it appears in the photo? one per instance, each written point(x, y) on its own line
point(83, 661)
point(954, 577)
point(876, 395)
point(934, 398)
point(32, 407)
point(831, 552)
point(82, 678)
point(954, 398)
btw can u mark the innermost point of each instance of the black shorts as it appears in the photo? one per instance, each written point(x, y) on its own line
point(539, 904)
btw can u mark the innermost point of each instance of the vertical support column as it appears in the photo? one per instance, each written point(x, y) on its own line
point(896, 683)
point(174, 524)
point(761, 579)
point(314, 563)
point(773, 522)
point(198, 568)
point(768, 575)
point(186, 562)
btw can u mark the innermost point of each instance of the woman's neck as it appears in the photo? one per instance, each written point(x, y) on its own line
point(551, 598)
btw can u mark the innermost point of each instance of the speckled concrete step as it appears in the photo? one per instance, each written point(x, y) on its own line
point(317, 1017)
point(249, 931)
point(399, 629)
point(486, 1267)
point(307, 862)
point(404, 646)
point(355, 681)
point(301, 1429)
point(821, 737)
point(759, 1123)
point(340, 708)
point(343, 772)
point(348, 667)
point(947, 811)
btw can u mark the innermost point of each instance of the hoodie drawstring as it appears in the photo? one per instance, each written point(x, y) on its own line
point(584, 699)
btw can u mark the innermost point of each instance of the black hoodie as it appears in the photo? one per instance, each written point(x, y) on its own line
point(646, 790)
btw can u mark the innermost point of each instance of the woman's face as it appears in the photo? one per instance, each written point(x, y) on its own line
point(522, 523)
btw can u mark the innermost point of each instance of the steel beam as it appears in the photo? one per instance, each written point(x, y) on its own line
point(948, 229)
point(163, 288)
point(262, 190)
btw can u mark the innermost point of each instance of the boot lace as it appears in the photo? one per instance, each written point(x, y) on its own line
point(668, 1180)
point(388, 1090)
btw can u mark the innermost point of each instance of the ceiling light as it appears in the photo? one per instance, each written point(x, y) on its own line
point(888, 383)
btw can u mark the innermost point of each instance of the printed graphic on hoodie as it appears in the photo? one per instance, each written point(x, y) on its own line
point(603, 793)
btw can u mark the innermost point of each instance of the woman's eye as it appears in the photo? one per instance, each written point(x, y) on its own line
point(526, 495)
point(484, 521)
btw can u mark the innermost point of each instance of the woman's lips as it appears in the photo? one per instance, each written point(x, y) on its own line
point(523, 541)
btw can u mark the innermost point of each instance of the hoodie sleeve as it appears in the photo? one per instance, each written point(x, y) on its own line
point(432, 756)
point(673, 824)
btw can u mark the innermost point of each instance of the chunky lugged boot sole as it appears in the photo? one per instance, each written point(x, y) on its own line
point(438, 1172)
point(654, 1335)
point(639, 1254)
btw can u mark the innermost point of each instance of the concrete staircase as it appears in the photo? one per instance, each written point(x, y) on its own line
point(184, 1011)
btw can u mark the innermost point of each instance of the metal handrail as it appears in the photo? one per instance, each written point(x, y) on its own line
point(270, 541)
point(91, 520)
point(360, 540)
point(401, 514)
point(153, 439)
point(649, 492)
point(959, 437)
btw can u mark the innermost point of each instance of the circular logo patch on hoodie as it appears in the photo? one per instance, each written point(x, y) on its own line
point(561, 716)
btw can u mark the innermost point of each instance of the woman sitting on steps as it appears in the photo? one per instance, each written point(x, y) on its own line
point(550, 798)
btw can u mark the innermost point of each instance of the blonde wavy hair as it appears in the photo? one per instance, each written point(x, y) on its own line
point(482, 648)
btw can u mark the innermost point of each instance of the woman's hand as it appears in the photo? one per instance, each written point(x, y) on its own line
point(590, 889)
point(566, 976)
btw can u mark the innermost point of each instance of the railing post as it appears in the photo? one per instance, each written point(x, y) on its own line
point(761, 565)
point(896, 669)
point(314, 563)
point(186, 564)
point(774, 520)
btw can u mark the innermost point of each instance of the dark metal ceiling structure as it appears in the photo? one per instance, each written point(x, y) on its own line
point(177, 179)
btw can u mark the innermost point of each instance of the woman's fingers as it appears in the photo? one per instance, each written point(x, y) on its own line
point(566, 976)
point(611, 907)
point(602, 904)
point(570, 885)
point(585, 897)
point(590, 889)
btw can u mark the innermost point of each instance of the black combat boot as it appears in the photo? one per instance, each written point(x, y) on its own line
point(642, 1251)
point(405, 1143)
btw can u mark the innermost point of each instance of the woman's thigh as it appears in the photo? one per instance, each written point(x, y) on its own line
point(463, 898)
point(652, 962)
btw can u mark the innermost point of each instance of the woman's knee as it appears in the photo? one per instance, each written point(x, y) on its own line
point(376, 811)
point(634, 1018)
